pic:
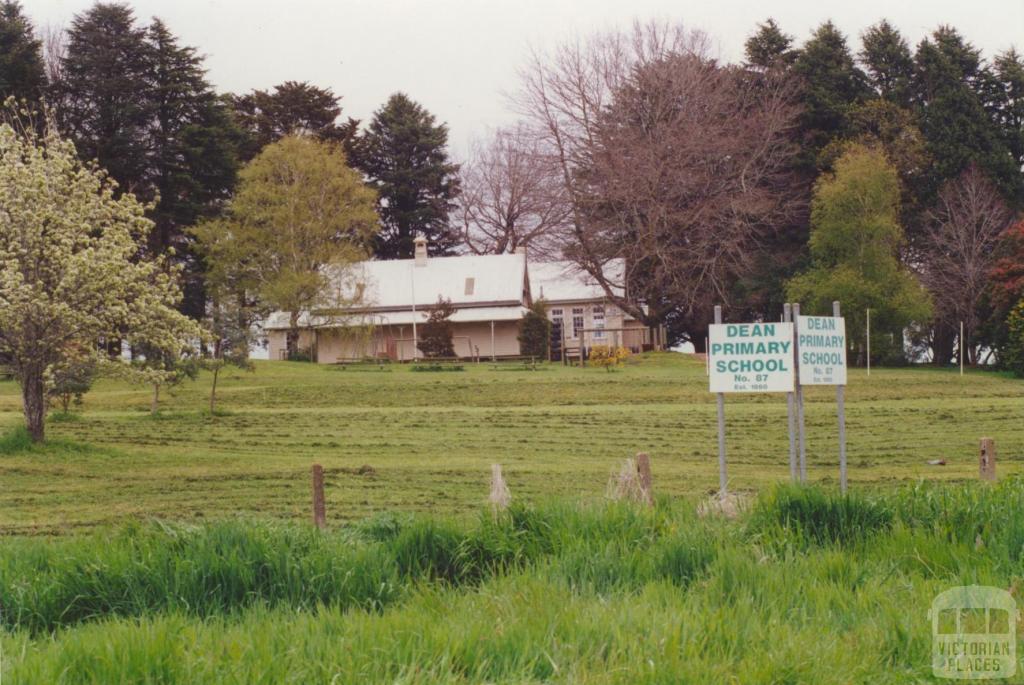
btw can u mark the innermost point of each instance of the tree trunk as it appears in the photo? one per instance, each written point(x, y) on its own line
point(34, 402)
point(943, 341)
point(213, 390)
point(155, 405)
point(292, 337)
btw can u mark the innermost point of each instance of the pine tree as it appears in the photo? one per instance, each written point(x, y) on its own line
point(292, 107)
point(833, 86)
point(138, 102)
point(21, 60)
point(193, 163)
point(769, 48)
point(1009, 69)
point(435, 337)
point(104, 101)
point(404, 155)
point(889, 63)
point(956, 99)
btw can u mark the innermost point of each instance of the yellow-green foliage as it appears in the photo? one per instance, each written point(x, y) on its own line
point(855, 237)
point(607, 356)
point(1013, 353)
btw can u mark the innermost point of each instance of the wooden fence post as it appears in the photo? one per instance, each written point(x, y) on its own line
point(643, 472)
point(319, 510)
point(987, 460)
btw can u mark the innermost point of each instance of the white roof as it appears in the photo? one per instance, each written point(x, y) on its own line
point(566, 282)
point(480, 287)
point(391, 284)
point(279, 320)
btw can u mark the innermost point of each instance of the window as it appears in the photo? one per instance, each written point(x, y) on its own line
point(470, 285)
point(556, 318)
point(597, 314)
point(577, 321)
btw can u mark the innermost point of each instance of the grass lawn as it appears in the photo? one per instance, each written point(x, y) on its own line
point(429, 439)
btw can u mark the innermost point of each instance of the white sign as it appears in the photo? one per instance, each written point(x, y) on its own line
point(751, 357)
point(822, 350)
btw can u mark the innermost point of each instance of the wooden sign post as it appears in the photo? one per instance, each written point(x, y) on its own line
point(643, 474)
point(319, 509)
point(987, 460)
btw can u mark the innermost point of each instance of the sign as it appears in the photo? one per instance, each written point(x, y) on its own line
point(751, 357)
point(822, 350)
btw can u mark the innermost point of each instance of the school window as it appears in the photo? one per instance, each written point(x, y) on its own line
point(577, 321)
point(556, 316)
point(597, 314)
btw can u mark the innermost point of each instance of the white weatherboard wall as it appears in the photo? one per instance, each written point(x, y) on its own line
point(822, 349)
point(751, 357)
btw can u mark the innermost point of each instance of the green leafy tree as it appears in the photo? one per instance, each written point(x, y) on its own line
point(535, 331)
point(855, 238)
point(889, 63)
point(404, 155)
point(435, 336)
point(769, 48)
point(884, 124)
point(292, 107)
point(1012, 355)
point(833, 85)
point(299, 213)
point(69, 269)
point(22, 74)
point(231, 324)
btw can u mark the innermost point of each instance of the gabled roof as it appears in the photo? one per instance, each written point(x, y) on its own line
point(391, 284)
point(566, 282)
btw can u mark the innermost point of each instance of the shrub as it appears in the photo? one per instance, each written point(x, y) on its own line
point(607, 356)
point(435, 336)
point(71, 378)
point(535, 332)
point(1013, 352)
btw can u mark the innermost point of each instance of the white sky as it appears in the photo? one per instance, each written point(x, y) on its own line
point(458, 57)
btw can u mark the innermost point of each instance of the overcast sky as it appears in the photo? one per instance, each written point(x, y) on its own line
point(458, 57)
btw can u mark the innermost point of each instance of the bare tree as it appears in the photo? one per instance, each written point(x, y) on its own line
point(54, 40)
point(673, 162)
point(962, 232)
point(512, 197)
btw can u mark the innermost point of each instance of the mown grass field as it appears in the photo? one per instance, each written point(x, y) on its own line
point(429, 439)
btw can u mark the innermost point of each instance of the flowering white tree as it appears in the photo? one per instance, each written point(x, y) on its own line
point(70, 272)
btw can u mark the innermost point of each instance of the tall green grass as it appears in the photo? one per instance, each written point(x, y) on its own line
point(219, 568)
point(809, 586)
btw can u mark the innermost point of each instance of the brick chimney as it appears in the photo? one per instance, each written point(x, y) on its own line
point(421, 250)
